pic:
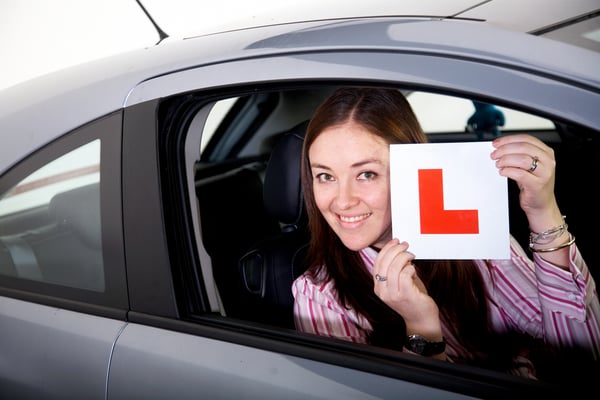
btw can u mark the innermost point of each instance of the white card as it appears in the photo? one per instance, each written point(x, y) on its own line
point(449, 201)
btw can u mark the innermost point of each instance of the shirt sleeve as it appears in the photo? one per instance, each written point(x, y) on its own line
point(569, 302)
point(317, 310)
point(559, 306)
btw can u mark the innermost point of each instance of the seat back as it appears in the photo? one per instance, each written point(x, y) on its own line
point(269, 268)
point(232, 218)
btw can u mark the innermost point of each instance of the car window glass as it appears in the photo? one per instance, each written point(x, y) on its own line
point(76, 168)
point(215, 117)
point(50, 222)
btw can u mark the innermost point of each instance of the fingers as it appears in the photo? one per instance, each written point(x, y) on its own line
point(523, 153)
point(393, 261)
point(402, 290)
point(394, 274)
point(531, 164)
point(507, 139)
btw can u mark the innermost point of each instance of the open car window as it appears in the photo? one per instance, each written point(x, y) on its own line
point(230, 156)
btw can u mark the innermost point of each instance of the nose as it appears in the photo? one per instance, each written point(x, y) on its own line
point(346, 196)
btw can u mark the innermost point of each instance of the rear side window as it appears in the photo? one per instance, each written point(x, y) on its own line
point(74, 169)
point(50, 222)
point(61, 231)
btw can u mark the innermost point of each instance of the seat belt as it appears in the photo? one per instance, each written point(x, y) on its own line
point(23, 258)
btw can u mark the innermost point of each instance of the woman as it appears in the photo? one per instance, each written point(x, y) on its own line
point(364, 286)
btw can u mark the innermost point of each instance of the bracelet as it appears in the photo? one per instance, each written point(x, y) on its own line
point(562, 246)
point(548, 235)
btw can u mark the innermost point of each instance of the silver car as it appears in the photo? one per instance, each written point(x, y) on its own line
point(151, 217)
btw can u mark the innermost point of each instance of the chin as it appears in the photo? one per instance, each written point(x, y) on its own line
point(356, 245)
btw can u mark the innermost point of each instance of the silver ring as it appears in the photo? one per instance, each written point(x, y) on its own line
point(380, 278)
point(534, 164)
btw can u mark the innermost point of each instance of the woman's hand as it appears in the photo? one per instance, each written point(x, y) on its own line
point(397, 285)
point(531, 164)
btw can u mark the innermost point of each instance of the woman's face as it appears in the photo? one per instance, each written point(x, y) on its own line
point(350, 170)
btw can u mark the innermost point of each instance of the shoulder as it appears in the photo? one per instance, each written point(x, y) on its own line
point(308, 285)
point(307, 288)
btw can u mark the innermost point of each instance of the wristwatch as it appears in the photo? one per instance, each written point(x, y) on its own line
point(419, 345)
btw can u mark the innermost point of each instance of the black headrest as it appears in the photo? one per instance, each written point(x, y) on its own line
point(282, 193)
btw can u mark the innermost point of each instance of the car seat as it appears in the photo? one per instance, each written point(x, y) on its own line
point(269, 269)
point(233, 218)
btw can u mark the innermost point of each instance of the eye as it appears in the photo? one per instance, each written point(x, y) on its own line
point(324, 177)
point(367, 175)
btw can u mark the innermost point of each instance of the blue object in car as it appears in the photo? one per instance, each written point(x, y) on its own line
point(486, 118)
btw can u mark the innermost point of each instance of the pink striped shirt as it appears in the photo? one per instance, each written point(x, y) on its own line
point(532, 297)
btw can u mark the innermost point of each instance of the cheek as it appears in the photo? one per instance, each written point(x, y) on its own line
point(322, 197)
point(377, 197)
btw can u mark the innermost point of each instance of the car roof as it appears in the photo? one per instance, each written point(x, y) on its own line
point(37, 111)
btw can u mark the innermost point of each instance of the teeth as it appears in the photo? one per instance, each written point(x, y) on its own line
point(355, 218)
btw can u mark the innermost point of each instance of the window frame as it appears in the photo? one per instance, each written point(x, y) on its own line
point(113, 301)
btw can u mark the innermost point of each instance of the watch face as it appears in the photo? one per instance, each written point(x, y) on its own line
point(419, 345)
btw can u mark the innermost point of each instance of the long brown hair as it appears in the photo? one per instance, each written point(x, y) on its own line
point(456, 286)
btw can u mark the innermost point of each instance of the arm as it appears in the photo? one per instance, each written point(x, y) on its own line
point(531, 164)
point(564, 308)
point(570, 307)
point(557, 305)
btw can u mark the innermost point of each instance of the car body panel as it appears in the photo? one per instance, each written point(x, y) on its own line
point(453, 73)
point(66, 354)
point(183, 366)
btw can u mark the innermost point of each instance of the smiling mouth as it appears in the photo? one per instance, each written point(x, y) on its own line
point(355, 218)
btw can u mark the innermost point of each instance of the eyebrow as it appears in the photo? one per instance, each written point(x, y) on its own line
point(355, 165)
